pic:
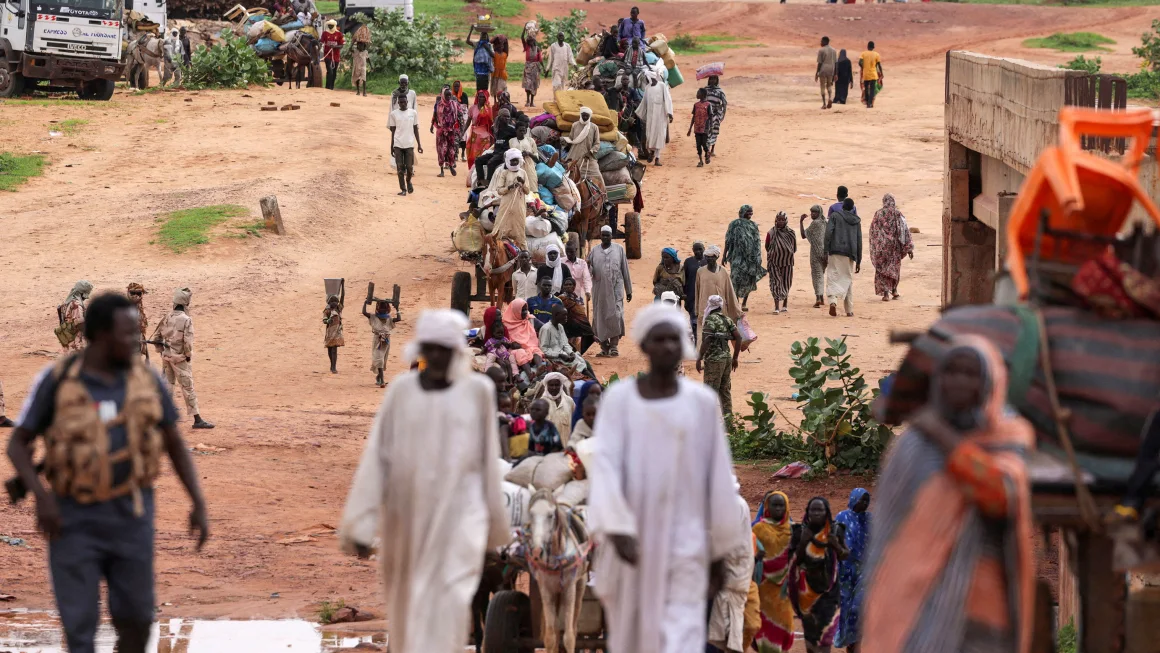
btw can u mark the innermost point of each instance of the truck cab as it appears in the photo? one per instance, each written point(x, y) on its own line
point(61, 45)
point(349, 8)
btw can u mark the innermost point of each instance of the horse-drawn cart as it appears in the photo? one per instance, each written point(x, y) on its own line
point(515, 620)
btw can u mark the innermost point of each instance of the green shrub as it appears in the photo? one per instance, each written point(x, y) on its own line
point(1144, 85)
point(1066, 639)
point(683, 42)
point(759, 439)
point(232, 63)
point(1149, 49)
point(571, 26)
point(1092, 65)
point(417, 49)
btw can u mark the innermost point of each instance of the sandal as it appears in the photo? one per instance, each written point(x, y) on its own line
point(776, 312)
point(833, 310)
point(818, 304)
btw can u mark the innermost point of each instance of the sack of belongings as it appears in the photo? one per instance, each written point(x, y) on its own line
point(546, 196)
point(588, 48)
point(715, 69)
point(613, 161)
point(537, 227)
point(468, 236)
point(362, 34)
point(567, 195)
point(572, 493)
point(549, 177)
point(516, 497)
point(617, 175)
point(542, 472)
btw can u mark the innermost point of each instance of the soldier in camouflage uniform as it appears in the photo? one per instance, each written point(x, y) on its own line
point(176, 331)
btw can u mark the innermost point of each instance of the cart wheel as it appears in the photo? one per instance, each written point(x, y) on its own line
point(632, 235)
point(461, 292)
point(509, 619)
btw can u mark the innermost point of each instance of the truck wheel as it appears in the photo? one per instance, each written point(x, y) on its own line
point(509, 619)
point(98, 89)
point(11, 83)
point(632, 235)
point(461, 292)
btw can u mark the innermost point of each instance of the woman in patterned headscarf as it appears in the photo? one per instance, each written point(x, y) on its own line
point(743, 254)
point(813, 575)
point(780, 246)
point(815, 234)
point(669, 274)
point(889, 243)
point(774, 532)
point(446, 124)
point(856, 519)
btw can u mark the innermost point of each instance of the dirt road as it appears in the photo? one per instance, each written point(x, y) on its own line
point(289, 433)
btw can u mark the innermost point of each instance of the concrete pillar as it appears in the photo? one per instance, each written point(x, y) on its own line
point(968, 245)
point(1006, 201)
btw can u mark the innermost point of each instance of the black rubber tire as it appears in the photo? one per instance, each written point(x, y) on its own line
point(14, 86)
point(461, 292)
point(317, 77)
point(98, 89)
point(509, 617)
point(143, 79)
point(632, 235)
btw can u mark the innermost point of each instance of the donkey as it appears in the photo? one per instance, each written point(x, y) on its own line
point(144, 53)
point(499, 266)
point(557, 545)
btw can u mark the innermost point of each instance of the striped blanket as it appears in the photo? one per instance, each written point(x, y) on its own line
point(1107, 372)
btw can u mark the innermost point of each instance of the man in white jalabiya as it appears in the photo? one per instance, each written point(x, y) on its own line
point(662, 504)
point(430, 473)
point(657, 112)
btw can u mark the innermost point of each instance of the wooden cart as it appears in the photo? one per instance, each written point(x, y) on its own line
point(514, 622)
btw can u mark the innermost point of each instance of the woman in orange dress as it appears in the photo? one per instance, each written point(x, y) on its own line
point(479, 120)
point(774, 531)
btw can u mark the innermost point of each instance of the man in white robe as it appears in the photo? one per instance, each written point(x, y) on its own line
point(560, 62)
point(727, 617)
point(662, 504)
point(430, 473)
point(611, 285)
point(656, 109)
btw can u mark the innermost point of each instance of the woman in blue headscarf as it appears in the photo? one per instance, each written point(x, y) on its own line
point(582, 391)
point(669, 275)
point(857, 522)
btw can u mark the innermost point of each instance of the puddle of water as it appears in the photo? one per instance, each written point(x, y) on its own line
point(39, 632)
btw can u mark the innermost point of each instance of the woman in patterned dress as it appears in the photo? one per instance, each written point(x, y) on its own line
point(813, 576)
point(446, 124)
point(743, 254)
point(780, 246)
point(775, 532)
point(479, 120)
point(815, 234)
point(533, 58)
point(889, 243)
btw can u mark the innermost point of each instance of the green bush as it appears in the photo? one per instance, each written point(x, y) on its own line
point(1092, 65)
point(683, 42)
point(1066, 639)
point(1149, 49)
point(1144, 85)
point(1071, 42)
point(417, 49)
point(229, 64)
point(571, 26)
point(760, 439)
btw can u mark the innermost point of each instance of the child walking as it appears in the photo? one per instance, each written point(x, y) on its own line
point(358, 75)
point(702, 112)
point(332, 318)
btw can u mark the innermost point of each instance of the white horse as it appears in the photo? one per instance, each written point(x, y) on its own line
point(557, 545)
point(144, 53)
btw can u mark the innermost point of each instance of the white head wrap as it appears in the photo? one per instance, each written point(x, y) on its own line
point(444, 327)
point(565, 384)
point(713, 250)
point(404, 78)
point(715, 302)
point(557, 269)
point(513, 159)
point(585, 114)
point(606, 229)
point(669, 297)
point(659, 313)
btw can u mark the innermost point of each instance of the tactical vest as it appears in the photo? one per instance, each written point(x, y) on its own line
point(78, 463)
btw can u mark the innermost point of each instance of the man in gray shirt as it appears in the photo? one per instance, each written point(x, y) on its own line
point(827, 60)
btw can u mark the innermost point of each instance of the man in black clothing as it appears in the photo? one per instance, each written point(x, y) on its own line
point(691, 264)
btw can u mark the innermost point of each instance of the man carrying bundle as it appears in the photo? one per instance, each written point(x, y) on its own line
point(441, 506)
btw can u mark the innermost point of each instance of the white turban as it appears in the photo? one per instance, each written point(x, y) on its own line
point(585, 113)
point(606, 229)
point(713, 250)
point(659, 313)
point(557, 269)
point(404, 78)
point(565, 384)
point(513, 160)
point(444, 327)
point(669, 297)
point(715, 302)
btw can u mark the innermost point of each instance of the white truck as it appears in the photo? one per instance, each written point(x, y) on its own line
point(349, 8)
point(57, 45)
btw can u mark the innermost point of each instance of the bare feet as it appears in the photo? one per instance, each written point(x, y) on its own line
point(885, 297)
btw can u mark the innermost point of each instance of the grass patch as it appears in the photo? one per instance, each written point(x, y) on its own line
point(1073, 42)
point(708, 43)
point(182, 230)
point(248, 229)
point(15, 170)
point(457, 16)
point(327, 610)
point(52, 102)
point(327, 7)
point(71, 126)
point(1066, 3)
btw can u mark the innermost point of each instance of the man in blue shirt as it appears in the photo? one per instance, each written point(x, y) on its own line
point(843, 193)
point(540, 306)
point(631, 27)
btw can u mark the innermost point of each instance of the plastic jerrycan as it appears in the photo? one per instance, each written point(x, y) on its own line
point(1083, 193)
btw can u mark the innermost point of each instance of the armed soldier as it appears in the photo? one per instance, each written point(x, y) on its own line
point(137, 296)
point(106, 418)
point(176, 331)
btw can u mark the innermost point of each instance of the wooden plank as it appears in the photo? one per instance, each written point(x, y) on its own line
point(272, 214)
point(1068, 587)
point(1104, 592)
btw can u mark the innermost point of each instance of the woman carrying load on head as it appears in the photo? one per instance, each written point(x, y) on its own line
point(716, 97)
point(775, 533)
point(959, 477)
point(813, 575)
point(533, 58)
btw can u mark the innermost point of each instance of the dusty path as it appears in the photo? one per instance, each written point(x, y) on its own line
point(291, 432)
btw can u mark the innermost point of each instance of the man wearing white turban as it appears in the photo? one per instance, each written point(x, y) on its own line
point(713, 279)
point(662, 505)
point(430, 474)
point(656, 110)
point(611, 285)
point(511, 183)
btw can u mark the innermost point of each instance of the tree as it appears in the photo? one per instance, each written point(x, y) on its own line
point(1149, 49)
point(417, 49)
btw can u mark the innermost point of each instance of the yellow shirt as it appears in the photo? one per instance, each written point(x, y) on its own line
point(869, 61)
